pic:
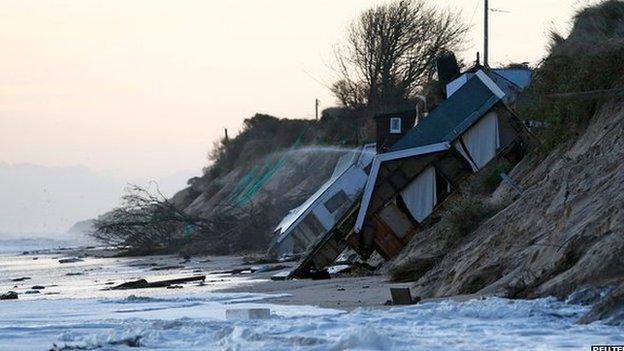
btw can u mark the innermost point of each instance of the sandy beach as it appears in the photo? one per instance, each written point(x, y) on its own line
point(346, 293)
point(96, 269)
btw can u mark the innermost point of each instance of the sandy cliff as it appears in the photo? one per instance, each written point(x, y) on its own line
point(563, 233)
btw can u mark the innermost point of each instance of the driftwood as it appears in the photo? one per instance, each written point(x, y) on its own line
point(142, 283)
point(70, 260)
point(253, 269)
point(11, 295)
point(20, 279)
point(165, 268)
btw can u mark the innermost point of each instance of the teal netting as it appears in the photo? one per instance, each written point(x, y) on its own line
point(258, 176)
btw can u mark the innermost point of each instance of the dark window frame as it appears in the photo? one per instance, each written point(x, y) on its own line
point(336, 201)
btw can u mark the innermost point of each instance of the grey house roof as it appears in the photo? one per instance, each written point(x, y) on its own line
point(455, 115)
point(521, 77)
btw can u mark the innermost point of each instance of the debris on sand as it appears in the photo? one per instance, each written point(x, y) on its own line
point(38, 287)
point(280, 276)
point(11, 295)
point(252, 269)
point(70, 260)
point(20, 279)
point(267, 268)
point(234, 271)
point(402, 296)
point(166, 268)
point(142, 283)
point(318, 275)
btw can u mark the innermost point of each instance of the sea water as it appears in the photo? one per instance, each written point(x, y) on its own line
point(79, 314)
point(197, 322)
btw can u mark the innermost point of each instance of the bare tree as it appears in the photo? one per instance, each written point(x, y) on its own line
point(147, 220)
point(144, 220)
point(390, 52)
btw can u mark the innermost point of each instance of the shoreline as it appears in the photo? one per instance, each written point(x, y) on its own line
point(344, 293)
point(223, 274)
point(98, 268)
point(341, 312)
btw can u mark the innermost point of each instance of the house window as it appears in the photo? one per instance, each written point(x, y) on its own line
point(395, 125)
point(312, 225)
point(336, 201)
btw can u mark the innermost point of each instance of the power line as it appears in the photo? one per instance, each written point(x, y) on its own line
point(316, 80)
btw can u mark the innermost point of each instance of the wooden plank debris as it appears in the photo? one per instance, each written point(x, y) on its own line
point(142, 283)
point(11, 295)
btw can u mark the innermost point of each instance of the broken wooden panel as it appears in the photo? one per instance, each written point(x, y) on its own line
point(509, 128)
point(396, 220)
point(386, 242)
point(453, 167)
point(390, 232)
point(328, 247)
point(390, 183)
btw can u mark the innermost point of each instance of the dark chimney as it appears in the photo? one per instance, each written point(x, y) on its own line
point(447, 67)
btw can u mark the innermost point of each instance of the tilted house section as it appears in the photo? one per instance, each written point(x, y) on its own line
point(510, 80)
point(406, 184)
point(303, 225)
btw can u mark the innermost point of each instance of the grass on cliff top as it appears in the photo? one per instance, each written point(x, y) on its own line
point(590, 58)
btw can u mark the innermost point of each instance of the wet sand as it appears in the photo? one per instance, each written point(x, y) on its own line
point(98, 269)
point(345, 293)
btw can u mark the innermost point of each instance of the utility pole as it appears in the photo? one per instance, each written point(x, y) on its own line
point(316, 105)
point(227, 139)
point(485, 34)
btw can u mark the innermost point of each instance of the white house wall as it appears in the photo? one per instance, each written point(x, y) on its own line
point(351, 182)
point(389, 156)
point(482, 141)
point(420, 195)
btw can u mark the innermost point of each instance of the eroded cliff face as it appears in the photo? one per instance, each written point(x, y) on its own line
point(247, 203)
point(563, 233)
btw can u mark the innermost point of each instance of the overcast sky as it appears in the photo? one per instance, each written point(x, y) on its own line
point(143, 88)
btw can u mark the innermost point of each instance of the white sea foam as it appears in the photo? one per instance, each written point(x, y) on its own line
point(197, 322)
point(84, 316)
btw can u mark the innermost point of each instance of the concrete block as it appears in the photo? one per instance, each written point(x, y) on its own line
point(247, 314)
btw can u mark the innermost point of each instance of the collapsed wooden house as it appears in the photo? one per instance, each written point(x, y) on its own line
point(407, 183)
point(421, 161)
point(326, 248)
point(320, 213)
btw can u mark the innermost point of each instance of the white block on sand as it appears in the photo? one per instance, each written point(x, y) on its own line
point(247, 314)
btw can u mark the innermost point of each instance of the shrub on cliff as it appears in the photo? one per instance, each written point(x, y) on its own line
point(590, 59)
point(265, 133)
